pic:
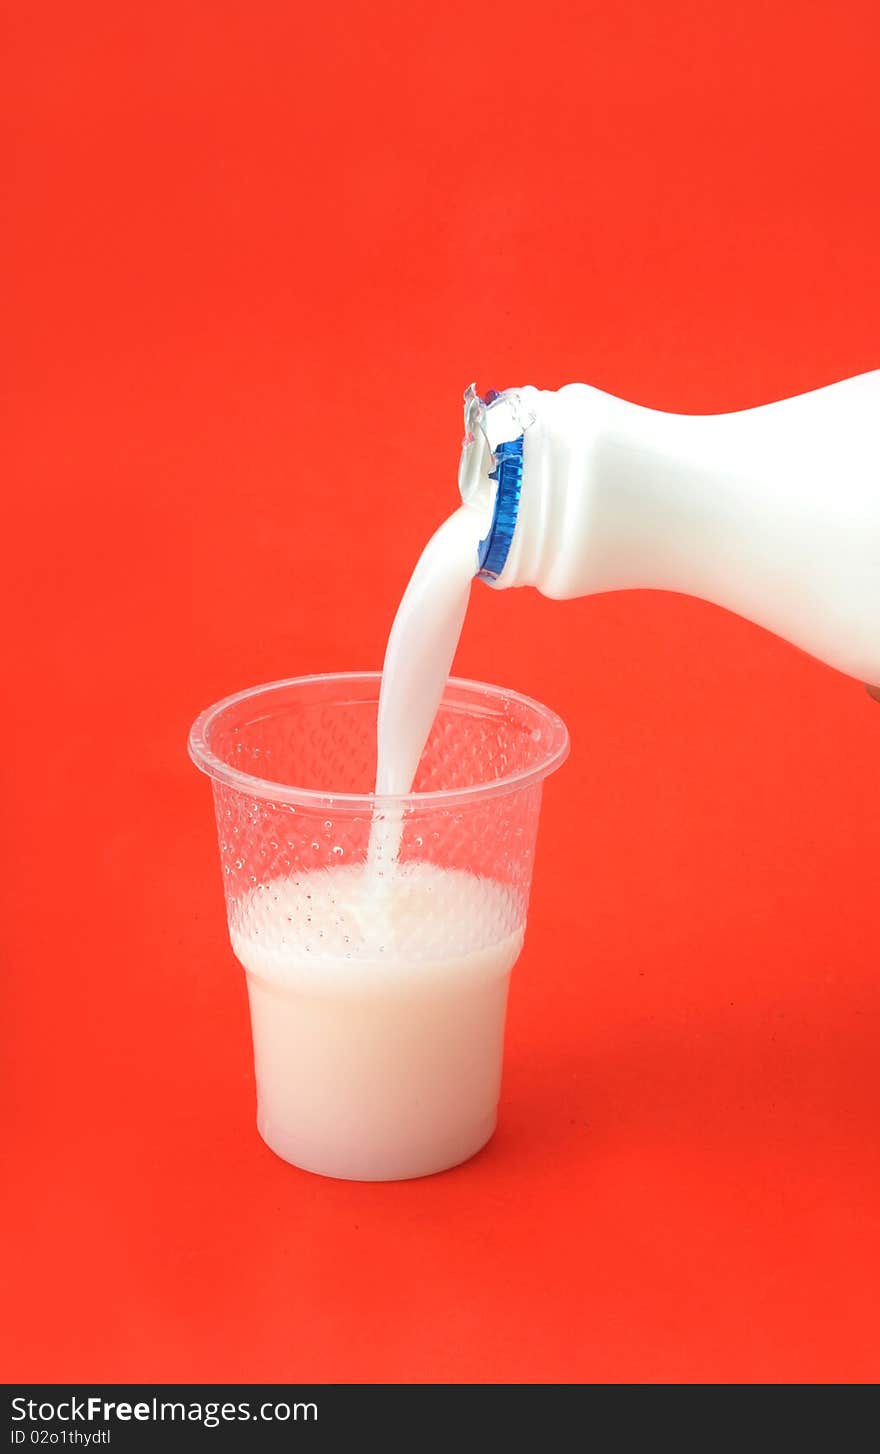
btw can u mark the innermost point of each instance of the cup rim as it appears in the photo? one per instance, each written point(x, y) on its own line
point(215, 768)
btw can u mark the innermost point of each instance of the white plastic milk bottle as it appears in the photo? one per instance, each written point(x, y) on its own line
point(772, 512)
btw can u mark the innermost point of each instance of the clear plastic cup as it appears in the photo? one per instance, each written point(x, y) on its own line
point(377, 992)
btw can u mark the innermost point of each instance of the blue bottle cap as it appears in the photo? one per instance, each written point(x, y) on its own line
point(494, 549)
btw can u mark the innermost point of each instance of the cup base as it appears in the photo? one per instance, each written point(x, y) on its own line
point(357, 1164)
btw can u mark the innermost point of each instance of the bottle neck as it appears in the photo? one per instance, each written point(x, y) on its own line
point(558, 482)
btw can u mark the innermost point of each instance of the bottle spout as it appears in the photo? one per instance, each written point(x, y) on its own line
point(490, 471)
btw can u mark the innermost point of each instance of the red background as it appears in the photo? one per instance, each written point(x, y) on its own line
point(254, 254)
